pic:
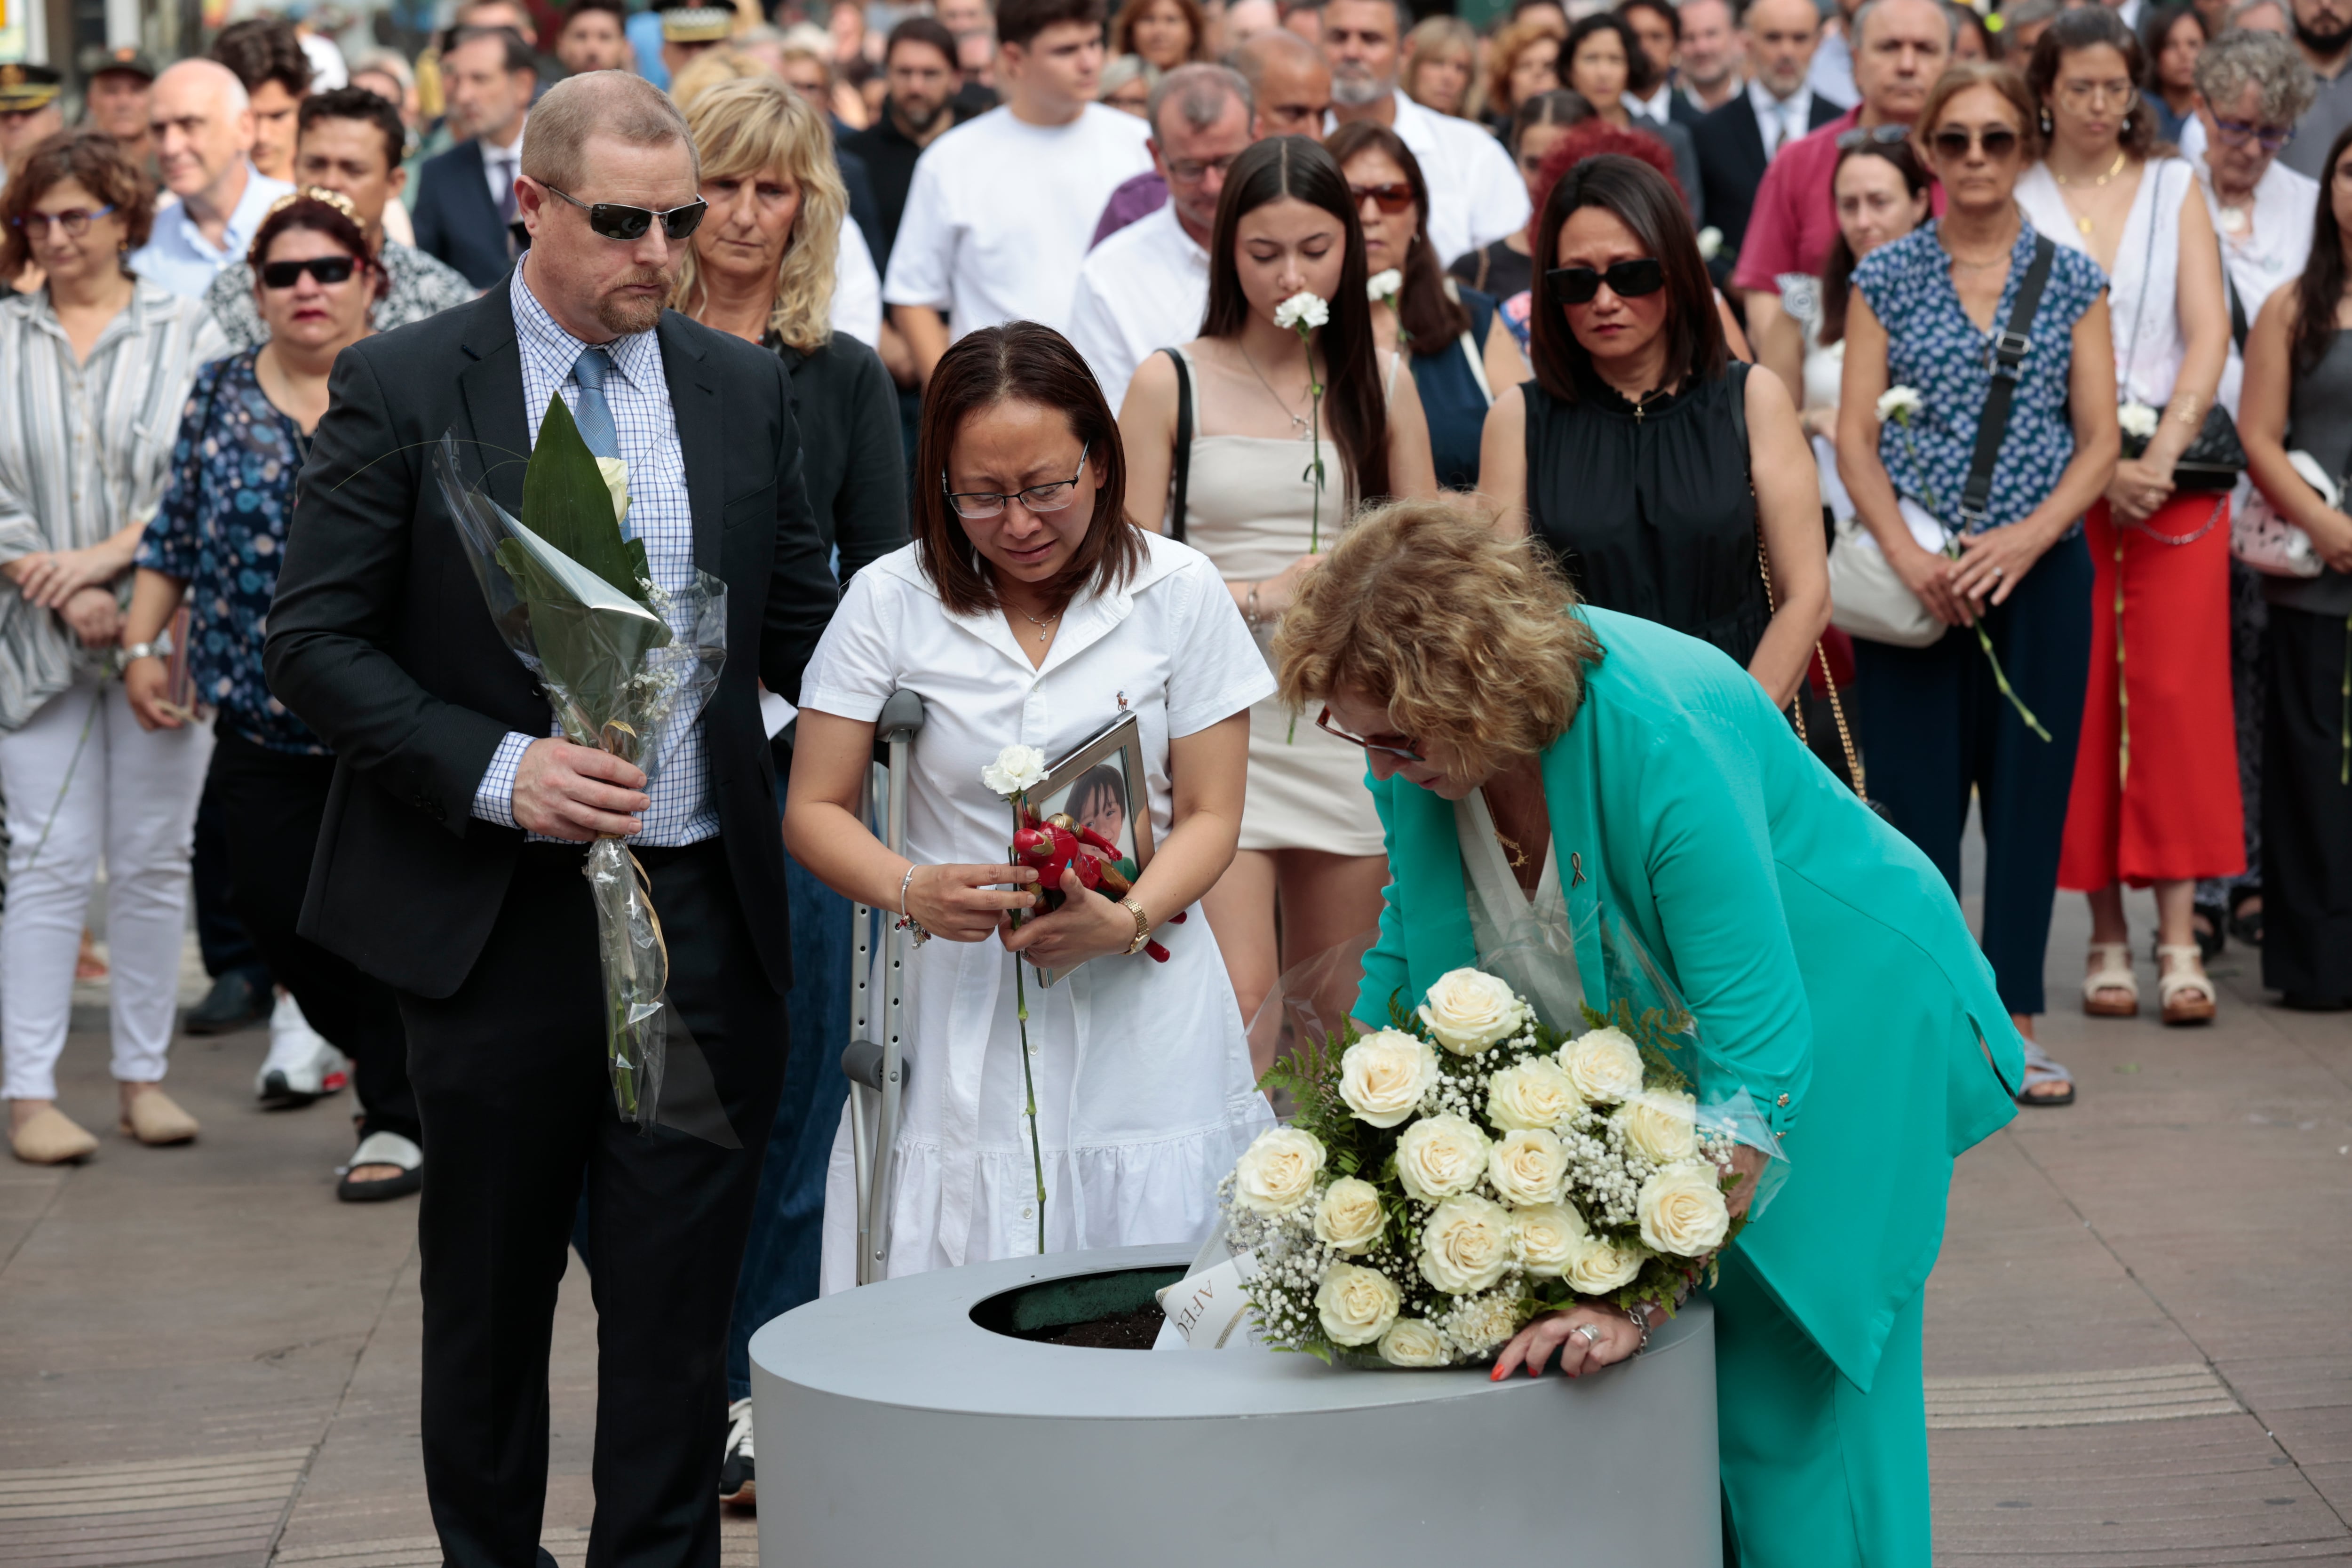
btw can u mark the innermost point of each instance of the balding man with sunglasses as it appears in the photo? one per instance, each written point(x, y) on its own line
point(450, 863)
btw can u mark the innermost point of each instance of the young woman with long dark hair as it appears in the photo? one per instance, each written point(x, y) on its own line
point(1259, 395)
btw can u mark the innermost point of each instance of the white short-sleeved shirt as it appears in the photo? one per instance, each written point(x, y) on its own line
point(856, 287)
point(1475, 194)
point(1001, 213)
point(1145, 287)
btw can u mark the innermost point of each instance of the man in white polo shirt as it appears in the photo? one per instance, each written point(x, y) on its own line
point(1002, 207)
point(1475, 196)
point(1147, 287)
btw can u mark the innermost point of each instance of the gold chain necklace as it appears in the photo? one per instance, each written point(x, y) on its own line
point(1298, 424)
point(2082, 222)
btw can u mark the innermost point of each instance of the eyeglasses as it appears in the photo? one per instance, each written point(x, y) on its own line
point(1998, 142)
point(1399, 746)
point(325, 268)
point(1039, 499)
point(2079, 95)
point(1628, 279)
point(75, 221)
point(1876, 136)
point(615, 221)
point(1185, 172)
point(1391, 199)
point(2238, 132)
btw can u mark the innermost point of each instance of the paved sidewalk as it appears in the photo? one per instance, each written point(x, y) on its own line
point(2139, 1337)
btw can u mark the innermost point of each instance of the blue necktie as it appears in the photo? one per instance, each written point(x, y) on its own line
point(593, 415)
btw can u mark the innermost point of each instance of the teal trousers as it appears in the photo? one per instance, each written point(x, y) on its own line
point(1816, 1473)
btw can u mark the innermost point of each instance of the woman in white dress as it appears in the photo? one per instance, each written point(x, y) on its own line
point(1286, 224)
point(1028, 611)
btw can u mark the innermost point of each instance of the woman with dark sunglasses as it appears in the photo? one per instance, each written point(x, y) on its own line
point(1923, 315)
point(2155, 798)
point(1668, 480)
point(215, 545)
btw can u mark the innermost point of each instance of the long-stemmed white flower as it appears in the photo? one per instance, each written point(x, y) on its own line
point(1017, 771)
point(1303, 313)
point(1386, 286)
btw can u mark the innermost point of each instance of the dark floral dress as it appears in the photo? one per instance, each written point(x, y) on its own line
point(221, 530)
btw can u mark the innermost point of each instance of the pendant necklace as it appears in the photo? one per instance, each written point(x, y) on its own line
point(1044, 624)
point(2081, 222)
point(1298, 425)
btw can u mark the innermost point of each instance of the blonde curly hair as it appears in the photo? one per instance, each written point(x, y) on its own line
point(1468, 639)
point(743, 129)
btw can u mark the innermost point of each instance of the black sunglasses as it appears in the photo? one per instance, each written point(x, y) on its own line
point(1629, 280)
point(325, 268)
point(1954, 141)
point(615, 221)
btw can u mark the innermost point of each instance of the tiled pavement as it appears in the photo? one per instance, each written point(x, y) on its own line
point(2140, 1339)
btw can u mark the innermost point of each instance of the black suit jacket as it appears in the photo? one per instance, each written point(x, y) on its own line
point(380, 640)
point(1731, 163)
point(457, 220)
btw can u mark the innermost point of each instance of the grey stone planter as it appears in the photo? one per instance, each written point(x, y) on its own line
point(893, 1431)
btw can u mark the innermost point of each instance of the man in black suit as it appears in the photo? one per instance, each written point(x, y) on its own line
point(1735, 143)
point(466, 196)
point(449, 862)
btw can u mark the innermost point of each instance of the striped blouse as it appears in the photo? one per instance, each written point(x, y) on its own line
point(85, 450)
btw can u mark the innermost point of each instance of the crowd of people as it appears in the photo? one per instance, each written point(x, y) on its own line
point(1978, 384)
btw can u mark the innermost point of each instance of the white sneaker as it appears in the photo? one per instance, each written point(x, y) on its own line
point(736, 1484)
point(301, 1066)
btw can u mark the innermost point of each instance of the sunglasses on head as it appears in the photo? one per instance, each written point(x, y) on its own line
point(1954, 141)
point(1627, 280)
point(615, 221)
point(1391, 199)
point(325, 268)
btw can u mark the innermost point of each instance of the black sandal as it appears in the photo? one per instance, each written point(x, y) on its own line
point(2246, 928)
point(2208, 922)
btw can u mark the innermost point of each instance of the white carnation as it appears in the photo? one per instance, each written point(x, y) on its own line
point(1710, 243)
point(1661, 1126)
point(1439, 1156)
point(1016, 768)
point(1276, 1174)
point(1682, 1210)
point(1469, 1010)
point(1356, 1305)
point(2136, 419)
point(1466, 1245)
point(1545, 1237)
point(1303, 308)
point(1384, 1075)
point(1532, 1093)
point(1598, 1266)
point(1900, 403)
point(1412, 1341)
point(1348, 1216)
point(1604, 1065)
point(1528, 1167)
point(1383, 285)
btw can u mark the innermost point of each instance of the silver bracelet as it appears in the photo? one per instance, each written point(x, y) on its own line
point(1641, 1320)
point(906, 921)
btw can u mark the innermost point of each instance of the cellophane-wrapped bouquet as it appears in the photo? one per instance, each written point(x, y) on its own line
point(627, 666)
point(1449, 1178)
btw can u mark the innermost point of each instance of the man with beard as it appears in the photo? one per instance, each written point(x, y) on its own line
point(1475, 196)
point(918, 62)
point(449, 861)
point(2323, 28)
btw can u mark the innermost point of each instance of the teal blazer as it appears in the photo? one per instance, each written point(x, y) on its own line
point(1828, 965)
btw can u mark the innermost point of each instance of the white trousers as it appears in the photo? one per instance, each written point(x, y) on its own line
point(131, 798)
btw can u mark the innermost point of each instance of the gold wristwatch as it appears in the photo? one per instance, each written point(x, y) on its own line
point(1142, 924)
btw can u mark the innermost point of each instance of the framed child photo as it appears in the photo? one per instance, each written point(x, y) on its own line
point(1101, 787)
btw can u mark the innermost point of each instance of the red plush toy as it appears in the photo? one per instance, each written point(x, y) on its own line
point(1059, 844)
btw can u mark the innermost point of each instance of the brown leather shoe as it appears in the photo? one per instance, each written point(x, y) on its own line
point(50, 1137)
point(154, 1119)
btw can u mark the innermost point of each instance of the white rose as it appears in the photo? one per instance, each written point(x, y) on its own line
point(1303, 306)
point(1682, 1210)
point(1016, 768)
point(1598, 1267)
point(1412, 1341)
point(1439, 1156)
point(1469, 1010)
point(1545, 1238)
point(1356, 1305)
point(616, 479)
point(1384, 1075)
point(1276, 1174)
point(1900, 404)
point(1527, 1167)
point(2136, 419)
point(1662, 1127)
point(1604, 1065)
point(1466, 1245)
point(1532, 1093)
point(1482, 1323)
point(1349, 1217)
point(1710, 243)
point(1383, 285)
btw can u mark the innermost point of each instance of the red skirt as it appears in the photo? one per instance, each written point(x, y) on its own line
point(2156, 778)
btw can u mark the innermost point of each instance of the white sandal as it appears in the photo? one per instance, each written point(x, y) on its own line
point(2111, 971)
point(2183, 988)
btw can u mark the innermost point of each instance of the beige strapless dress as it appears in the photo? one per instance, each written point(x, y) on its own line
point(1249, 505)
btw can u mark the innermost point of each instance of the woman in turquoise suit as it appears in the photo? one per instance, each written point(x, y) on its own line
point(1542, 768)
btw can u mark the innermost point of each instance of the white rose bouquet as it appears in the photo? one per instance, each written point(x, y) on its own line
point(1449, 1178)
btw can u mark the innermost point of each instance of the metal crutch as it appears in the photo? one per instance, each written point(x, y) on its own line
point(875, 1067)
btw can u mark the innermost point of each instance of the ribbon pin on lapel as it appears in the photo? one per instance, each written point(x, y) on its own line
point(1576, 864)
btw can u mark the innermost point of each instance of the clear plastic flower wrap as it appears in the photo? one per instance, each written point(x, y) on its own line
point(625, 664)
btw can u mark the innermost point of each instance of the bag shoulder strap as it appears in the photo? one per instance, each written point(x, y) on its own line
point(1182, 467)
point(2009, 349)
point(2237, 305)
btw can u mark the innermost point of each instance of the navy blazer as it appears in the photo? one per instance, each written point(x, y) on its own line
point(455, 219)
point(1731, 163)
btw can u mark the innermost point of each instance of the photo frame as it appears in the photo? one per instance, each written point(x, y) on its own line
point(1104, 784)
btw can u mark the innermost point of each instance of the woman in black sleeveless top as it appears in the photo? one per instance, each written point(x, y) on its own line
point(1631, 453)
